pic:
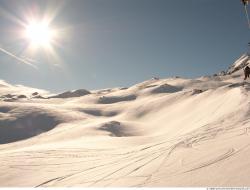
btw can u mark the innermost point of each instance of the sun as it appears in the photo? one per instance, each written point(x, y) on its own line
point(39, 34)
point(42, 38)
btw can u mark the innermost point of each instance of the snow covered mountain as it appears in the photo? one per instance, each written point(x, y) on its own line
point(239, 64)
point(161, 132)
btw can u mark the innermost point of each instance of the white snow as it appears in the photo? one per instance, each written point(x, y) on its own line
point(159, 133)
point(239, 64)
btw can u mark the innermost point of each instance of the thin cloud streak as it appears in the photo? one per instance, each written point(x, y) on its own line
point(22, 60)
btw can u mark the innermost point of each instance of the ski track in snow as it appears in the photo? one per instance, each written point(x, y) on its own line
point(143, 157)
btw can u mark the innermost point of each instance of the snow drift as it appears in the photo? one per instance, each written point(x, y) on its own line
point(72, 94)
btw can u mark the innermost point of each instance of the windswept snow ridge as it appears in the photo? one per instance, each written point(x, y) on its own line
point(161, 132)
point(72, 94)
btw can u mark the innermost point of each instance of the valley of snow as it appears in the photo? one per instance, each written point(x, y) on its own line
point(159, 133)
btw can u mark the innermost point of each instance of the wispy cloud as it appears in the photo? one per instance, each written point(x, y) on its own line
point(26, 61)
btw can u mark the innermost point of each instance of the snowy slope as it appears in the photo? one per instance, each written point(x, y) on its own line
point(162, 132)
point(239, 64)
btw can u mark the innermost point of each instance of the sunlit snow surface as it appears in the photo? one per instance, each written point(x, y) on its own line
point(162, 132)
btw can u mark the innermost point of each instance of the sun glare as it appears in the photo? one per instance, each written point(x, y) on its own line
point(39, 34)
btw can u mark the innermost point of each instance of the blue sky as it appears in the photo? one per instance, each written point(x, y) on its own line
point(111, 43)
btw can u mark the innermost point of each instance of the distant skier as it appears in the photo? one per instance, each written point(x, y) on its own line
point(246, 72)
point(244, 2)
